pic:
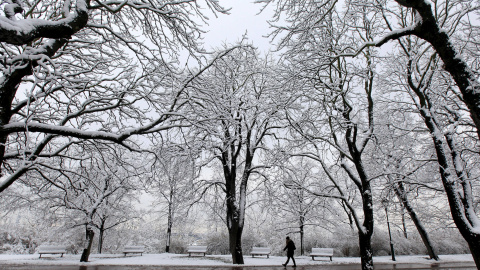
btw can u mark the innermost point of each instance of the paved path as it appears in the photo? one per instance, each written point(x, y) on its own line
point(438, 266)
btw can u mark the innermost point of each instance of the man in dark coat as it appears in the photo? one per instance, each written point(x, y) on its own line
point(290, 248)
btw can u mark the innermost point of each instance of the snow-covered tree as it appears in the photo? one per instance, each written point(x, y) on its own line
point(293, 207)
point(235, 107)
point(442, 24)
point(76, 70)
point(444, 116)
point(93, 187)
point(171, 182)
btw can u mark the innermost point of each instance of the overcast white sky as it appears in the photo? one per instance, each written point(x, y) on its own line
point(243, 18)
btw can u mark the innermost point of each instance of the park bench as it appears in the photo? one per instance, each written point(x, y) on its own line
point(197, 249)
point(133, 249)
point(52, 250)
point(260, 251)
point(322, 252)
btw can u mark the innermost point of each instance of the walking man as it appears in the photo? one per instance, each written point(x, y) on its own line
point(290, 248)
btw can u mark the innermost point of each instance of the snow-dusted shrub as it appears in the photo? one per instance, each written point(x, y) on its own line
point(218, 243)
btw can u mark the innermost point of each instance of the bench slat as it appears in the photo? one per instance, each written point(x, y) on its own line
point(52, 250)
point(196, 249)
point(322, 252)
point(260, 251)
point(133, 249)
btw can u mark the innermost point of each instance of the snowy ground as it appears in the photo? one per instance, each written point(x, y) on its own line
point(209, 260)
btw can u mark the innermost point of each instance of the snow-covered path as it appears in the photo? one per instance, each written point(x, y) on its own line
point(167, 261)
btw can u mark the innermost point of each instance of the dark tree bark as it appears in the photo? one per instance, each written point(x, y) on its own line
point(169, 221)
point(235, 231)
point(236, 206)
point(365, 241)
point(365, 232)
point(101, 232)
point(89, 237)
point(356, 146)
point(400, 192)
point(302, 234)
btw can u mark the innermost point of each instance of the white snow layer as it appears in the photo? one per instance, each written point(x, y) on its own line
point(209, 260)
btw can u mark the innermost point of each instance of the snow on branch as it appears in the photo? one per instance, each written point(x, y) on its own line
point(390, 36)
point(20, 32)
point(82, 134)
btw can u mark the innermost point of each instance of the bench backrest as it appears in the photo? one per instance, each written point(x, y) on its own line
point(197, 249)
point(52, 249)
point(260, 250)
point(134, 248)
point(324, 251)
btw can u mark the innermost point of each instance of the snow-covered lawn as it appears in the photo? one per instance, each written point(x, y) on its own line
point(209, 260)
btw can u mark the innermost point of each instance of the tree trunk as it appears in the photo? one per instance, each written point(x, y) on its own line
point(458, 210)
point(400, 191)
point(169, 235)
point(86, 252)
point(100, 235)
point(365, 242)
point(169, 223)
point(474, 246)
point(302, 235)
point(404, 223)
point(235, 240)
point(100, 240)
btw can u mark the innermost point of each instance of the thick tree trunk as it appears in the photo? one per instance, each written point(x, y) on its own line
point(365, 242)
point(365, 233)
point(86, 252)
point(235, 238)
point(458, 210)
point(474, 246)
point(400, 191)
point(169, 235)
point(235, 227)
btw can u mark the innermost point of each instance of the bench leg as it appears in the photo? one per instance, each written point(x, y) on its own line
point(62, 255)
point(40, 256)
point(330, 258)
point(268, 256)
point(313, 258)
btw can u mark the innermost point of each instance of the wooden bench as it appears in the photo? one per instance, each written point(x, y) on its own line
point(322, 252)
point(52, 250)
point(260, 251)
point(133, 249)
point(196, 249)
